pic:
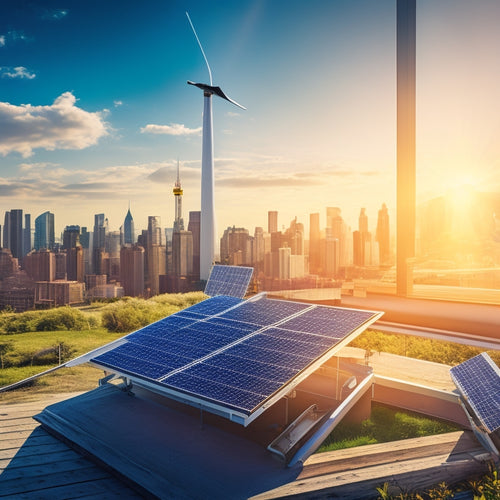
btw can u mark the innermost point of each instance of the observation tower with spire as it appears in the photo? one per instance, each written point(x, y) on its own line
point(179, 221)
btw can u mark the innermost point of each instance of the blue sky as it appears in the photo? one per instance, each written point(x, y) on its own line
point(95, 109)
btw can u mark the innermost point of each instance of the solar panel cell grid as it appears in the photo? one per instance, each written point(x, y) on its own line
point(264, 311)
point(252, 367)
point(244, 350)
point(234, 398)
point(330, 322)
point(214, 305)
point(478, 379)
point(230, 378)
point(228, 280)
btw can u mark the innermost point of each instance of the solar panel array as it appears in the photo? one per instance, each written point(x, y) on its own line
point(233, 353)
point(228, 280)
point(478, 379)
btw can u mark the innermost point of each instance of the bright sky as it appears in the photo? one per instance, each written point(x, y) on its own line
point(95, 109)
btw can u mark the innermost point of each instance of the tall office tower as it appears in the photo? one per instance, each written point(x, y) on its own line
point(41, 265)
point(338, 231)
point(100, 227)
point(61, 267)
point(235, 246)
point(27, 234)
point(314, 243)
point(179, 221)
point(87, 253)
point(74, 253)
point(71, 236)
point(16, 233)
point(154, 230)
point(330, 255)
point(132, 270)
point(383, 235)
point(363, 221)
point(84, 237)
point(156, 255)
point(112, 248)
point(6, 230)
point(128, 229)
point(194, 227)
point(44, 231)
point(8, 265)
point(182, 254)
point(294, 236)
point(258, 249)
point(0, 236)
point(98, 242)
point(272, 221)
point(361, 241)
point(284, 266)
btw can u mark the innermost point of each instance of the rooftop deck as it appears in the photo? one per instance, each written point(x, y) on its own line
point(34, 464)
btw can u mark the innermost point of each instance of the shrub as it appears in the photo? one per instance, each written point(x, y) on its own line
point(133, 313)
point(61, 318)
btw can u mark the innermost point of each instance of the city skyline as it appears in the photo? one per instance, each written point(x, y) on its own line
point(318, 82)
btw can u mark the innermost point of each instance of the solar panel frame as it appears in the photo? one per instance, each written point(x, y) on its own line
point(478, 380)
point(229, 341)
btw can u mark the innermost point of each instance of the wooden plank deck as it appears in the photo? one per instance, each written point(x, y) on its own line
point(34, 464)
point(407, 465)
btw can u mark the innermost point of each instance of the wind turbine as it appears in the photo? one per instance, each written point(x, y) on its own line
point(208, 236)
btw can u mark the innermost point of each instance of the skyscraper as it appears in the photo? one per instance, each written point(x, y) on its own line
point(128, 229)
point(99, 242)
point(194, 228)
point(272, 221)
point(6, 230)
point(156, 255)
point(27, 234)
point(314, 243)
point(44, 231)
point(132, 270)
point(74, 253)
point(383, 235)
point(16, 233)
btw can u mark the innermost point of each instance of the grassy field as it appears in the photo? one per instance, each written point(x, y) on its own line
point(24, 345)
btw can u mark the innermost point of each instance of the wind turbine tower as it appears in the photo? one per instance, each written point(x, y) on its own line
point(208, 235)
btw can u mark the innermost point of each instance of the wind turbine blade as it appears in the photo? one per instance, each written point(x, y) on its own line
point(218, 91)
point(201, 48)
point(215, 90)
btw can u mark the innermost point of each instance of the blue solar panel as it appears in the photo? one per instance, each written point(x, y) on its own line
point(228, 280)
point(213, 391)
point(242, 365)
point(328, 321)
point(478, 379)
point(264, 311)
point(213, 305)
point(232, 352)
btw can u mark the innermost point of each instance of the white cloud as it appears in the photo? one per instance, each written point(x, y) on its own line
point(2, 40)
point(55, 15)
point(17, 72)
point(118, 103)
point(172, 129)
point(61, 125)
